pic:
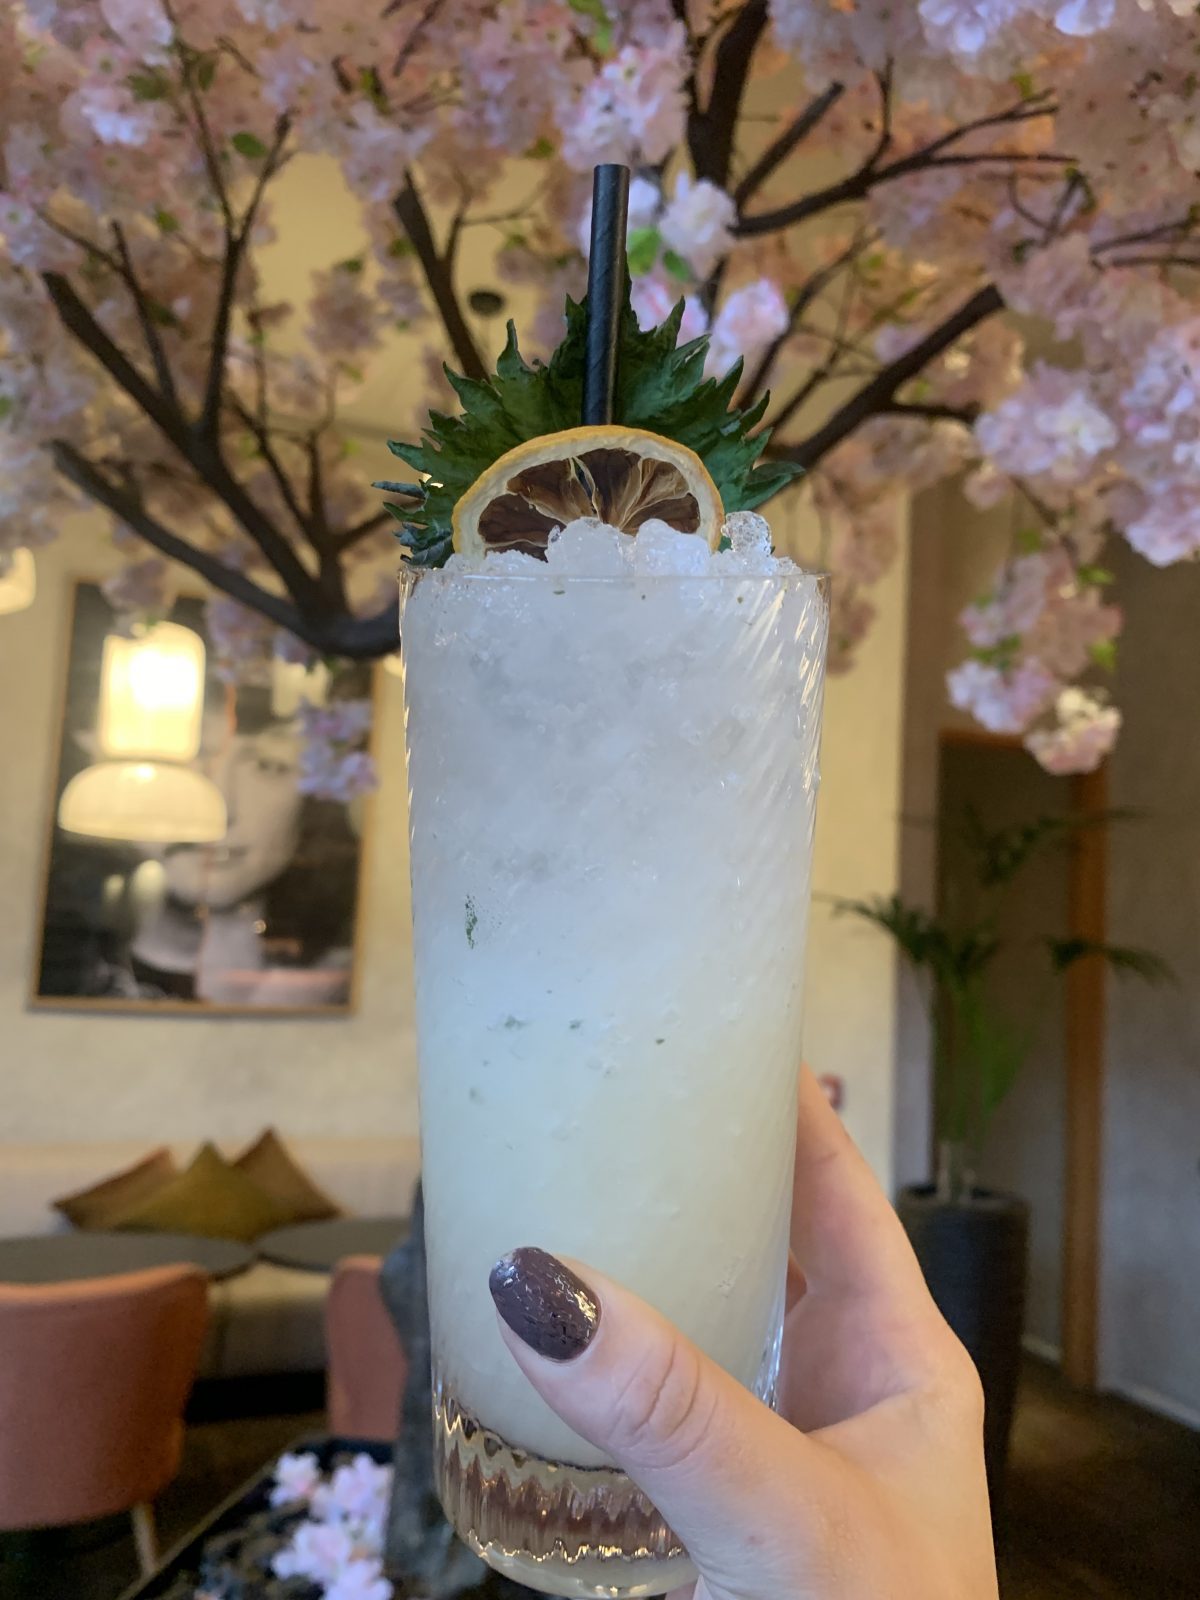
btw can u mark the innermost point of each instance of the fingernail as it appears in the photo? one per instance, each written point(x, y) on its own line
point(546, 1305)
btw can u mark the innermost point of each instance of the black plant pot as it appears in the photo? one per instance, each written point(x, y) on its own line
point(974, 1255)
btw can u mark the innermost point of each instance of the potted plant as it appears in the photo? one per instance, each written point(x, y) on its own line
point(972, 1243)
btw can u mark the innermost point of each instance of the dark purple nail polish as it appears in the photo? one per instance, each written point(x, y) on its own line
point(545, 1304)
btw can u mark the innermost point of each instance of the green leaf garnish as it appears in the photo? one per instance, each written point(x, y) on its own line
point(661, 388)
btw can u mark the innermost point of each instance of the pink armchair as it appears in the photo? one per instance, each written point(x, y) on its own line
point(94, 1377)
point(367, 1366)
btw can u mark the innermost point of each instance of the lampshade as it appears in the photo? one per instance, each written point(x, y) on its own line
point(18, 584)
point(143, 802)
point(152, 694)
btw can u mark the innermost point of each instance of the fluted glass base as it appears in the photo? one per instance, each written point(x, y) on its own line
point(562, 1529)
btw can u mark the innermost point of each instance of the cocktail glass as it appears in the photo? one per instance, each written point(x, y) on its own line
point(613, 785)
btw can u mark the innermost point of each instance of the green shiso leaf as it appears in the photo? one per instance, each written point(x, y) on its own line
point(661, 387)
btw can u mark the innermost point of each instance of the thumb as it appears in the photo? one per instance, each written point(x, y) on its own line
point(740, 1487)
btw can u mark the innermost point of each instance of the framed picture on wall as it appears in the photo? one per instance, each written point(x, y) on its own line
point(263, 919)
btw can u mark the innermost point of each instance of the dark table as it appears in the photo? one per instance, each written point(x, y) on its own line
point(319, 1246)
point(64, 1257)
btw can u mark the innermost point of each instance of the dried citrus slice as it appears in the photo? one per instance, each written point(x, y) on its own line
point(624, 476)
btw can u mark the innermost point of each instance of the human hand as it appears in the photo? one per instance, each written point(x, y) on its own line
point(870, 1483)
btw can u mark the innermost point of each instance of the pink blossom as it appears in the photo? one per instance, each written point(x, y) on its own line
point(241, 639)
point(1168, 530)
point(1005, 702)
point(296, 1476)
point(1085, 731)
point(318, 1550)
point(375, 152)
point(1051, 426)
point(343, 319)
point(143, 588)
point(749, 319)
point(1014, 605)
point(698, 223)
point(143, 25)
point(360, 1580)
point(359, 1489)
point(113, 114)
point(632, 109)
point(341, 720)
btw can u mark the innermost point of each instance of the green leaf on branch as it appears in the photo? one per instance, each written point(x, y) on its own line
point(1029, 540)
point(6, 405)
point(661, 387)
point(1097, 577)
point(602, 35)
point(642, 249)
point(249, 145)
point(206, 71)
point(677, 266)
point(1103, 654)
point(540, 150)
point(166, 221)
point(148, 85)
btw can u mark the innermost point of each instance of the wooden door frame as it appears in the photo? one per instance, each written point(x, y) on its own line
point(1084, 1063)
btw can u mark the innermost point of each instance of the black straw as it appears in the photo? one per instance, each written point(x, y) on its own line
point(606, 291)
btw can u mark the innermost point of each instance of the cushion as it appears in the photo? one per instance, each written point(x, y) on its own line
point(209, 1197)
point(273, 1167)
point(96, 1206)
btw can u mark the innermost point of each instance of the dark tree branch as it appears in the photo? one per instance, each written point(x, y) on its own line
point(809, 291)
point(202, 455)
point(932, 411)
point(145, 316)
point(858, 184)
point(85, 475)
point(341, 634)
point(878, 395)
point(318, 522)
point(711, 131)
point(439, 276)
point(408, 48)
point(274, 466)
point(78, 321)
point(236, 240)
point(783, 145)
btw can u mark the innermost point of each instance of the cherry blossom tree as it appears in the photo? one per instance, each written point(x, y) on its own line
point(933, 164)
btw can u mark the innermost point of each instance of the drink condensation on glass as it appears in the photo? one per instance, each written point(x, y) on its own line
point(613, 775)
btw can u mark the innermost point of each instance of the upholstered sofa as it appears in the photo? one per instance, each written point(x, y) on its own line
point(268, 1319)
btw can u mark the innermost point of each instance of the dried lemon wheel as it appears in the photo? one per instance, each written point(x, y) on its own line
point(624, 476)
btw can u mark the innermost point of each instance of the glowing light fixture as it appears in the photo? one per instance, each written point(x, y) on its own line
point(152, 694)
point(143, 802)
point(18, 583)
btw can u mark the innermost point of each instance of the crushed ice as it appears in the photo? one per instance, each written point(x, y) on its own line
point(590, 548)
